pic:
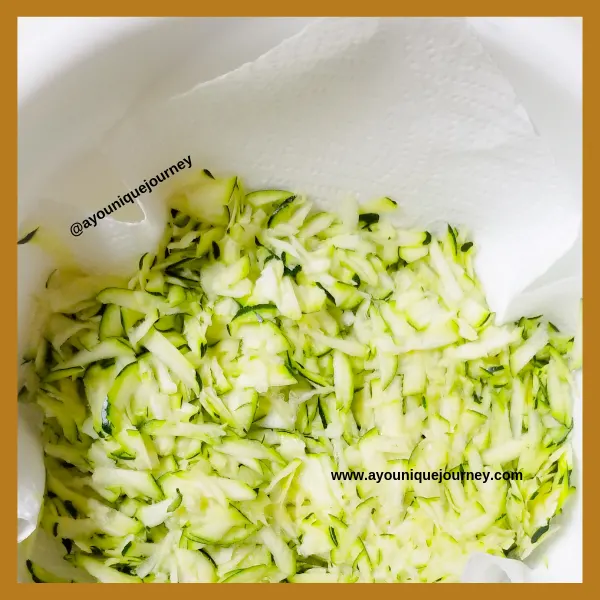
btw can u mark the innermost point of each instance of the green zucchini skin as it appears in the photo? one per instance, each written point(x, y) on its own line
point(281, 212)
point(28, 237)
point(41, 575)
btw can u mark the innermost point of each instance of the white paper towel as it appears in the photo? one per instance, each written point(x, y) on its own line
point(410, 108)
point(30, 472)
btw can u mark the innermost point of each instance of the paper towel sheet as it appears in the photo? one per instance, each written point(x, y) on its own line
point(30, 471)
point(409, 108)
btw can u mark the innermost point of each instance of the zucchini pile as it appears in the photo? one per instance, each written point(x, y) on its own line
point(194, 414)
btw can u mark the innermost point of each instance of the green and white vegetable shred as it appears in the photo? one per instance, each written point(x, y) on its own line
point(194, 415)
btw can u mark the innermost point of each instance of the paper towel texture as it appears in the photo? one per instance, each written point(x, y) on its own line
point(409, 108)
point(30, 472)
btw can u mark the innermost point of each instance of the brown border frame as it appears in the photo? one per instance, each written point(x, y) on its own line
point(11, 10)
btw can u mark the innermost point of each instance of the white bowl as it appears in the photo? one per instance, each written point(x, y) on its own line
point(78, 76)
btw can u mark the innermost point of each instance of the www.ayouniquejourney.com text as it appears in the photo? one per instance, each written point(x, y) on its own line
point(421, 476)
